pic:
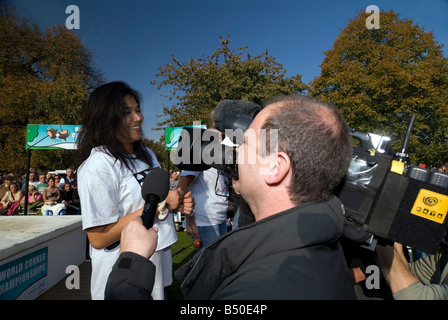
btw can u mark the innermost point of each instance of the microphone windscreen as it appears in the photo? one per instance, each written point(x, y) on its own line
point(240, 107)
point(156, 182)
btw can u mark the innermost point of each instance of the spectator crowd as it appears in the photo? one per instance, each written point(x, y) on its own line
point(48, 193)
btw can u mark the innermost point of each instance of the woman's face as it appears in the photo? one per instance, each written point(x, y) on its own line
point(131, 126)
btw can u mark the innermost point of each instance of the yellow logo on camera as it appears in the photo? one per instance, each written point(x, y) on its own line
point(431, 205)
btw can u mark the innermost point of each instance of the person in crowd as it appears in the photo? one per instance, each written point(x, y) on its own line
point(32, 179)
point(11, 200)
point(177, 214)
point(7, 179)
point(51, 193)
point(292, 250)
point(113, 164)
point(52, 204)
point(57, 181)
point(42, 183)
point(423, 279)
point(69, 199)
point(35, 200)
point(174, 179)
point(211, 193)
point(69, 178)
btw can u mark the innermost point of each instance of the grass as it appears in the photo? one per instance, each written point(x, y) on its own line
point(182, 251)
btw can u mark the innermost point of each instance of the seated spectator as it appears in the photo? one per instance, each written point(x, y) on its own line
point(57, 181)
point(42, 183)
point(32, 179)
point(70, 178)
point(174, 179)
point(51, 196)
point(11, 200)
point(35, 200)
point(68, 198)
point(7, 179)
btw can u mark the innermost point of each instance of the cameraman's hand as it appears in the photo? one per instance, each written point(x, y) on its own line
point(136, 238)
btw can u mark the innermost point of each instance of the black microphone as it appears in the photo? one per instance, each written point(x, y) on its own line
point(155, 188)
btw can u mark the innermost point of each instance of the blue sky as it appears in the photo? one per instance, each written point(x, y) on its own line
point(130, 39)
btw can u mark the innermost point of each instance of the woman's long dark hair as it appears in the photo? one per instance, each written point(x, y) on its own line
point(102, 120)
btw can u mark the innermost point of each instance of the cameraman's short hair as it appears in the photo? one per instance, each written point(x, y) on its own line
point(318, 142)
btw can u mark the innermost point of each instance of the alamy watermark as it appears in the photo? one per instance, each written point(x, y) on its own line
point(372, 280)
point(373, 21)
point(73, 20)
point(199, 147)
point(73, 280)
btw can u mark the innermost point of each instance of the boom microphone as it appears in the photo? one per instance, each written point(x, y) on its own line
point(154, 190)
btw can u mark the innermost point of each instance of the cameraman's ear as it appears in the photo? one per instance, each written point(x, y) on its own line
point(279, 168)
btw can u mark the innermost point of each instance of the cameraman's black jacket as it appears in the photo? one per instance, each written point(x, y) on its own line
point(131, 278)
point(294, 254)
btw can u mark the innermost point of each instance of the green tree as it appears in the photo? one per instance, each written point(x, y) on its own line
point(45, 78)
point(199, 85)
point(380, 77)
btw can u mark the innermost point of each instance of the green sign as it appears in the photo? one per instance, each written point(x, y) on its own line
point(17, 275)
point(52, 136)
point(172, 136)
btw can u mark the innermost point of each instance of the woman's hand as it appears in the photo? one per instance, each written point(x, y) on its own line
point(174, 199)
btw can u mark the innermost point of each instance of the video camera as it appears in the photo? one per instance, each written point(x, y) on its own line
point(384, 196)
point(201, 149)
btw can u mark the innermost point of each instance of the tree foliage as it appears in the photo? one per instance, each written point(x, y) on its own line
point(199, 85)
point(45, 77)
point(380, 77)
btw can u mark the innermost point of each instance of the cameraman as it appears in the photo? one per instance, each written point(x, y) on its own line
point(424, 279)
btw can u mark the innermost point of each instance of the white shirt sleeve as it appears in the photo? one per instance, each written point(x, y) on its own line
point(98, 189)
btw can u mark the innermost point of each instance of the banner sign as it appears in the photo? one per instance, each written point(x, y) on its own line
point(172, 136)
point(19, 274)
point(52, 136)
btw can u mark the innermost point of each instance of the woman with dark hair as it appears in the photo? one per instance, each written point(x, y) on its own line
point(11, 200)
point(114, 163)
point(51, 196)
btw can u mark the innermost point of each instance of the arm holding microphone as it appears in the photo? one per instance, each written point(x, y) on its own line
point(155, 188)
point(132, 276)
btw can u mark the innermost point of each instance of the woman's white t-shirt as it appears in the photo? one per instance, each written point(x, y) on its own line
point(108, 191)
